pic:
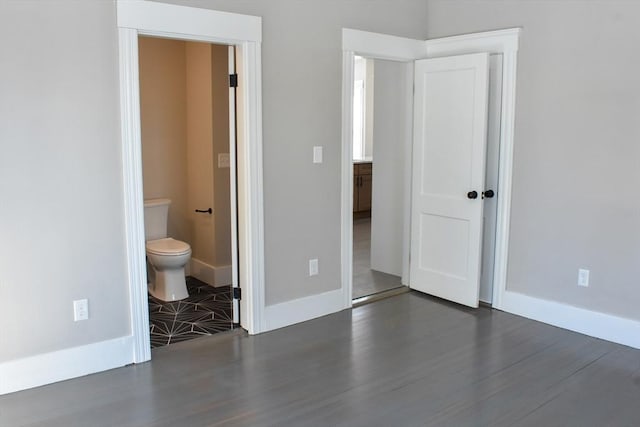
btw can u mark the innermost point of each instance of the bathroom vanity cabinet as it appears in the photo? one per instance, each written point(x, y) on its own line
point(362, 179)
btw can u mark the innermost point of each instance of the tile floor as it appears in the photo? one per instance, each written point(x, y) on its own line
point(206, 311)
point(365, 280)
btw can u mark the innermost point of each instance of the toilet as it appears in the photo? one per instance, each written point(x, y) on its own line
point(166, 257)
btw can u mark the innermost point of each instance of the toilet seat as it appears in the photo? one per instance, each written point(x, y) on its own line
point(167, 247)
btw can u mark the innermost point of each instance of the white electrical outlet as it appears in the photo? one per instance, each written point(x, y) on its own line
point(583, 277)
point(313, 267)
point(80, 310)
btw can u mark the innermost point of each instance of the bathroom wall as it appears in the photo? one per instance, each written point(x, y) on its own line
point(199, 134)
point(163, 113)
point(221, 173)
point(185, 126)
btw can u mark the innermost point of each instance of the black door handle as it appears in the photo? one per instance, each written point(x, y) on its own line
point(488, 194)
point(472, 194)
point(209, 211)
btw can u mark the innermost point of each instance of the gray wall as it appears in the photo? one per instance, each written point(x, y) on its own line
point(61, 217)
point(389, 154)
point(302, 63)
point(576, 167)
point(61, 214)
point(61, 209)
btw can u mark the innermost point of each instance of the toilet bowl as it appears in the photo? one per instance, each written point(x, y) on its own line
point(166, 260)
point(166, 257)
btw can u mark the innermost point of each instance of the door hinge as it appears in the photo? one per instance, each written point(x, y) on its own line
point(237, 293)
point(233, 80)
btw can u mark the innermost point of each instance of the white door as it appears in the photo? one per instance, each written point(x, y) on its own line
point(450, 131)
point(235, 281)
point(491, 178)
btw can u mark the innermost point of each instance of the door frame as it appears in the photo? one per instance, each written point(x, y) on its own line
point(382, 46)
point(204, 25)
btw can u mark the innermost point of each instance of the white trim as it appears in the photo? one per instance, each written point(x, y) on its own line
point(186, 23)
point(211, 274)
point(133, 205)
point(499, 41)
point(346, 217)
point(592, 323)
point(378, 46)
point(503, 42)
point(303, 309)
point(64, 364)
point(381, 46)
point(250, 188)
point(406, 196)
point(233, 193)
point(505, 173)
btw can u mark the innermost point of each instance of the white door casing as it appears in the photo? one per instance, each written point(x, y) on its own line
point(490, 208)
point(188, 23)
point(233, 194)
point(449, 149)
point(383, 46)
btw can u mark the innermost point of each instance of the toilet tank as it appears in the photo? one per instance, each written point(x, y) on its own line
point(156, 212)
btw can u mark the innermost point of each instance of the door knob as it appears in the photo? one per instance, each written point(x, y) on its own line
point(488, 194)
point(209, 211)
point(472, 194)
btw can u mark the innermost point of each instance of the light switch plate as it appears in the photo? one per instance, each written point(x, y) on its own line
point(313, 267)
point(223, 160)
point(317, 154)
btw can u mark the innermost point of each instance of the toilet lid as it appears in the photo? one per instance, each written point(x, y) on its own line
point(167, 246)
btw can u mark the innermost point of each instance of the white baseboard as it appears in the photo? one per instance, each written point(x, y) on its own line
point(213, 275)
point(600, 325)
point(303, 309)
point(62, 365)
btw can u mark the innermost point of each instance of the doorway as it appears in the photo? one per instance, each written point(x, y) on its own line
point(378, 117)
point(185, 108)
point(203, 25)
point(502, 43)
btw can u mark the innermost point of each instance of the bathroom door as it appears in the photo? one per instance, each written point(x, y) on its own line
point(235, 281)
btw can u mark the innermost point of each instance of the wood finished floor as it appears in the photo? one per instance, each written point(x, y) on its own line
point(365, 280)
point(409, 360)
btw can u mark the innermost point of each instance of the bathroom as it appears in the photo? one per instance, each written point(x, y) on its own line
point(184, 108)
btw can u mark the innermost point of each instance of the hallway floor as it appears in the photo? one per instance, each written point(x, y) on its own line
point(206, 311)
point(365, 280)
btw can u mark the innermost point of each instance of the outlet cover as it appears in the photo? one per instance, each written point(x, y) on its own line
point(583, 277)
point(313, 267)
point(80, 310)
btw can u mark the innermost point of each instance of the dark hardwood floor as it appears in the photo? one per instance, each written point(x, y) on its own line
point(409, 360)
